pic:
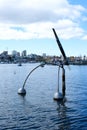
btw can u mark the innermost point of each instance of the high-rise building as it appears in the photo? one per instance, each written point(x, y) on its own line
point(44, 55)
point(24, 53)
point(15, 53)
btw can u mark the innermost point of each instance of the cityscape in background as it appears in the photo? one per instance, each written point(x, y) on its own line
point(23, 57)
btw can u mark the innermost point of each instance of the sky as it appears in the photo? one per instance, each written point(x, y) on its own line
point(27, 25)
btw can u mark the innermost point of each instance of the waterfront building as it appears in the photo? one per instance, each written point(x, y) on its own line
point(24, 53)
point(15, 53)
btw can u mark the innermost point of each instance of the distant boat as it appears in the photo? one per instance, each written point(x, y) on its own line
point(19, 64)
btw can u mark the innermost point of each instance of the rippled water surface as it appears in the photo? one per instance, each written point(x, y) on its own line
point(37, 110)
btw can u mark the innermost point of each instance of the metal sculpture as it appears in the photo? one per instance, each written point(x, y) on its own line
point(58, 95)
point(22, 90)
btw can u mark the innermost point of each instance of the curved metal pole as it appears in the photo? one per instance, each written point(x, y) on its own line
point(42, 65)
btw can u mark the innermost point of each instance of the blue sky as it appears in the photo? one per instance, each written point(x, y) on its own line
point(27, 25)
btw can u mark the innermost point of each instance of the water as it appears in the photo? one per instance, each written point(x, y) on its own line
point(37, 110)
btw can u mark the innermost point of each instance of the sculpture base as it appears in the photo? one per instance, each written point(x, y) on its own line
point(58, 96)
point(22, 91)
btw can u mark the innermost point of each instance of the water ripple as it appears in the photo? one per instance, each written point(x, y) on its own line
point(37, 110)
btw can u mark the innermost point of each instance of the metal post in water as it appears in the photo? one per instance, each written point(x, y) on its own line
point(58, 95)
point(63, 82)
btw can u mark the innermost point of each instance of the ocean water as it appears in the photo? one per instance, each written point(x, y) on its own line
point(37, 110)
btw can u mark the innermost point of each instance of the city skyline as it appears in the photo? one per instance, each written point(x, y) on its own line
point(28, 26)
point(25, 53)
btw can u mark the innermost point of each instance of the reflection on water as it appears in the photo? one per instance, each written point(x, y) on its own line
point(64, 121)
point(37, 110)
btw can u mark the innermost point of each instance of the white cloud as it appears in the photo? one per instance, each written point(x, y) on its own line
point(84, 37)
point(37, 17)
